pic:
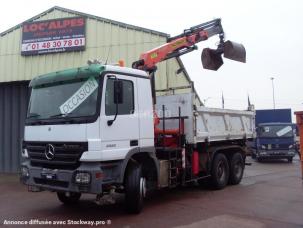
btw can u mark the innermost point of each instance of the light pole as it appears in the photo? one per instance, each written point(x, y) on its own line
point(273, 91)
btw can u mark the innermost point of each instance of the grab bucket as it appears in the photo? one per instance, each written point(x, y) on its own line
point(234, 51)
point(211, 59)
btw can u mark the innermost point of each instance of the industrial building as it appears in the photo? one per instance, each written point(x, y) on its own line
point(27, 50)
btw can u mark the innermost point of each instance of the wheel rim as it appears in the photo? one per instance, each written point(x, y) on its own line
point(238, 169)
point(221, 171)
point(143, 186)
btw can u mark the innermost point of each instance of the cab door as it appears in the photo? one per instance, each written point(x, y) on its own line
point(119, 125)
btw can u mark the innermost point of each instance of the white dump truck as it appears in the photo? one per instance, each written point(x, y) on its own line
point(100, 128)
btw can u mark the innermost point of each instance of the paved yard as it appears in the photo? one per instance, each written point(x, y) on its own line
point(270, 195)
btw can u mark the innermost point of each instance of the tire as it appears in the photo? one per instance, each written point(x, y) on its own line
point(219, 172)
point(135, 189)
point(259, 159)
point(290, 160)
point(236, 169)
point(68, 198)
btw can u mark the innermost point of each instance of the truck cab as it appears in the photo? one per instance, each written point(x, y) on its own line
point(275, 141)
point(83, 126)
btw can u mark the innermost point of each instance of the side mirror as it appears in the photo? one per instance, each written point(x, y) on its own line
point(118, 92)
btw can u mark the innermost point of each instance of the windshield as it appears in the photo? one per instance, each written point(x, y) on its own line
point(276, 131)
point(76, 98)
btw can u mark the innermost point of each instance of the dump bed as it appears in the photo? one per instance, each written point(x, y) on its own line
point(205, 124)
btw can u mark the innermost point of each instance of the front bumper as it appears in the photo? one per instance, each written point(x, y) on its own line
point(63, 180)
point(275, 154)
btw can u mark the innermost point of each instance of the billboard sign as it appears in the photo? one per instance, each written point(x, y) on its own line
point(52, 36)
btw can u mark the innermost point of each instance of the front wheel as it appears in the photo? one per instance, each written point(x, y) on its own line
point(135, 189)
point(220, 171)
point(290, 160)
point(68, 197)
point(236, 169)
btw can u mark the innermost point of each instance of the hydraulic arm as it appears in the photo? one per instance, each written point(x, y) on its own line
point(186, 42)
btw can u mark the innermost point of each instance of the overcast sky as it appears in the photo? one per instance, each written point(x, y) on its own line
point(271, 31)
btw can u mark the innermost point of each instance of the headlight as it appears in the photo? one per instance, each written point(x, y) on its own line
point(24, 171)
point(291, 146)
point(82, 178)
point(263, 147)
point(24, 153)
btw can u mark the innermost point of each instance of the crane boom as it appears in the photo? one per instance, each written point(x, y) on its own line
point(186, 42)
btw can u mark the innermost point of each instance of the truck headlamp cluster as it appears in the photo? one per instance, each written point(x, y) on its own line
point(24, 171)
point(82, 178)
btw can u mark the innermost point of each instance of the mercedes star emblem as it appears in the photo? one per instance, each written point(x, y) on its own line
point(49, 152)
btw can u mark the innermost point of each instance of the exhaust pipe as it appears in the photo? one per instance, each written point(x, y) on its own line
point(212, 59)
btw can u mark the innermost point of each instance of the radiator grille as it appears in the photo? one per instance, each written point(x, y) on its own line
point(66, 155)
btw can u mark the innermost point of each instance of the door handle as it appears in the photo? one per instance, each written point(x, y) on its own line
point(133, 142)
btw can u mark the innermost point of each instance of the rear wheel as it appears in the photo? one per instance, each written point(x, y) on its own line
point(68, 197)
point(236, 169)
point(135, 189)
point(290, 160)
point(220, 171)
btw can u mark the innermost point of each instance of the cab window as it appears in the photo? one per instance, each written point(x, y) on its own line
point(127, 106)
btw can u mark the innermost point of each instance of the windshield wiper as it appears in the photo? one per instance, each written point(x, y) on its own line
point(59, 115)
point(64, 115)
point(32, 115)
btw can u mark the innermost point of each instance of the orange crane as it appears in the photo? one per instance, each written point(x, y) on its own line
point(186, 42)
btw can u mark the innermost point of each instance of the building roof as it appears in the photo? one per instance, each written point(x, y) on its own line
point(189, 79)
point(121, 24)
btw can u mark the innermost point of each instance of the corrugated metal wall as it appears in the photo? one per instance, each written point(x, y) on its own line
point(103, 39)
point(13, 106)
